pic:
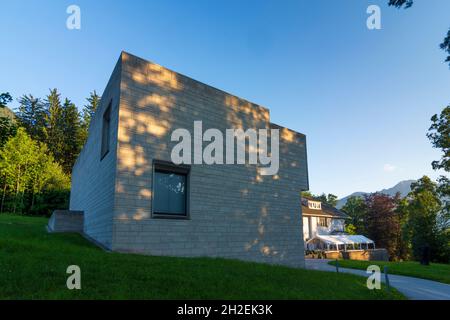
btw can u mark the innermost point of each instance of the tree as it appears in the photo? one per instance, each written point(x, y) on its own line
point(307, 194)
point(443, 190)
point(426, 233)
point(356, 209)
point(90, 108)
point(72, 134)
point(5, 98)
point(87, 114)
point(7, 129)
point(350, 229)
point(27, 170)
point(383, 223)
point(445, 45)
point(31, 115)
point(329, 199)
point(439, 135)
point(401, 3)
point(404, 237)
point(332, 200)
point(59, 125)
point(322, 198)
point(18, 154)
point(54, 135)
point(7, 124)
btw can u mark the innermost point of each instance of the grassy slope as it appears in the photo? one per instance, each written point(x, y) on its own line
point(435, 271)
point(33, 266)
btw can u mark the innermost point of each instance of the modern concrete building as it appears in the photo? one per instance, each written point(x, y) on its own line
point(135, 199)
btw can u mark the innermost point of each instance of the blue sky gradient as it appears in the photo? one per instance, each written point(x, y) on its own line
point(363, 97)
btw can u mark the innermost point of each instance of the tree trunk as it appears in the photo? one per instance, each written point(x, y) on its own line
point(21, 200)
point(32, 201)
point(17, 191)
point(3, 197)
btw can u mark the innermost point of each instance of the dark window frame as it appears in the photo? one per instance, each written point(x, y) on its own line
point(169, 167)
point(106, 126)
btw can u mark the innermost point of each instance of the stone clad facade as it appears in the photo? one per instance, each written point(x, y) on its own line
point(234, 212)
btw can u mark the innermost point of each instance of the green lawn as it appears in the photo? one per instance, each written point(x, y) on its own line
point(435, 271)
point(33, 266)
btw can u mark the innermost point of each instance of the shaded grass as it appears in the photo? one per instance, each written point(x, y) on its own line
point(435, 271)
point(33, 265)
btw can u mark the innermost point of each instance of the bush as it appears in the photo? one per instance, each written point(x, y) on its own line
point(49, 201)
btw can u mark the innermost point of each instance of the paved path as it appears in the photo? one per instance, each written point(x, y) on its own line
point(412, 288)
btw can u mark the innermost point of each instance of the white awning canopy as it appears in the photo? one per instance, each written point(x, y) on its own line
point(342, 239)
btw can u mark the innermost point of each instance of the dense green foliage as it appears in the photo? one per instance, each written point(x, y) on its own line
point(355, 207)
point(350, 229)
point(88, 113)
point(28, 173)
point(71, 130)
point(435, 271)
point(424, 229)
point(31, 116)
point(5, 98)
point(54, 130)
point(405, 227)
point(34, 264)
point(439, 135)
point(383, 223)
point(58, 124)
point(38, 147)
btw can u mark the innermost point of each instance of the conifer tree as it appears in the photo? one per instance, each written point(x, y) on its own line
point(31, 115)
point(5, 98)
point(54, 135)
point(71, 135)
point(88, 112)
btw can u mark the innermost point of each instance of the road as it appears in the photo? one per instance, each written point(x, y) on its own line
point(412, 288)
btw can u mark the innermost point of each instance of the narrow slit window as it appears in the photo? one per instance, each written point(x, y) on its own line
point(106, 127)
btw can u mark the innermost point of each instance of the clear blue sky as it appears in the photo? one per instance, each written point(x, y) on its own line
point(363, 98)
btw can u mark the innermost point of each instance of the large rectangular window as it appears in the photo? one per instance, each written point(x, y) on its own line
point(106, 127)
point(170, 191)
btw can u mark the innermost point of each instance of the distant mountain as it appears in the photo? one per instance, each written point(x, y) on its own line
point(404, 187)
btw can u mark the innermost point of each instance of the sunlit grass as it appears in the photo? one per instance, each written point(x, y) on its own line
point(33, 265)
point(435, 271)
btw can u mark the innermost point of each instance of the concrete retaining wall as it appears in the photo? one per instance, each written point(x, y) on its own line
point(366, 255)
point(66, 221)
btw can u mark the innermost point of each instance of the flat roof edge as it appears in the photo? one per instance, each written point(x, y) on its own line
point(197, 81)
